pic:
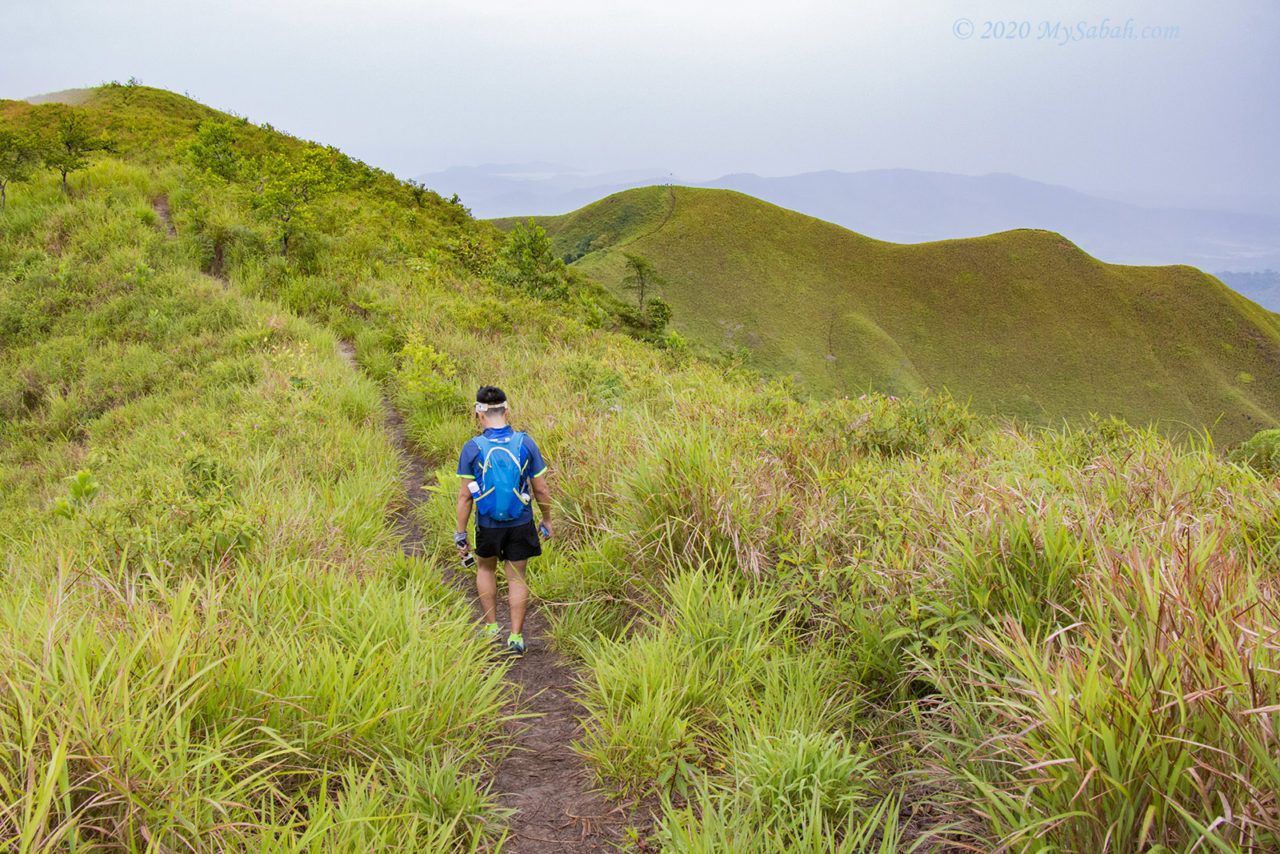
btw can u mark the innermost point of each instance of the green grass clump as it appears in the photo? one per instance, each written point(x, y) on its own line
point(661, 700)
point(718, 821)
point(782, 773)
point(717, 681)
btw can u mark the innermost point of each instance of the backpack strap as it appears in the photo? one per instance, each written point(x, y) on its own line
point(483, 447)
point(486, 446)
point(522, 456)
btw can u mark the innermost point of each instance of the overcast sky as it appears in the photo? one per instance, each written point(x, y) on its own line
point(1183, 106)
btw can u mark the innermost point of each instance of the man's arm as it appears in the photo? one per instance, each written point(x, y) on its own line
point(464, 506)
point(542, 494)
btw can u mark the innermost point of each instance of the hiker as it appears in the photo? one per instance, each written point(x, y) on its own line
point(499, 469)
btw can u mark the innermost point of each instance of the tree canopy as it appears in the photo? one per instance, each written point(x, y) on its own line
point(212, 152)
point(72, 143)
point(18, 157)
point(289, 185)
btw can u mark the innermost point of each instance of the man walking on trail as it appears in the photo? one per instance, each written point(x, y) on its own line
point(499, 469)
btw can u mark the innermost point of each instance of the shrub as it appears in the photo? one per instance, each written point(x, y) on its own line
point(528, 263)
point(1261, 452)
point(472, 253)
point(1110, 436)
point(212, 153)
point(892, 426)
point(597, 383)
point(427, 378)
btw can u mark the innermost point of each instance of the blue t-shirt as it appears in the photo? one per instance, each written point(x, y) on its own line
point(469, 463)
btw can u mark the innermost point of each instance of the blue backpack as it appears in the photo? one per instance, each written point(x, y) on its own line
point(503, 490)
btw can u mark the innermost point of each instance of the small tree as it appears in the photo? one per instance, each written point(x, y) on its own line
point(72, 144)
point(532, 265)
point(213, 151)
point(18, 157)
point(289, 186)
point(650, 316)
point(418, 191)
point(642, 277)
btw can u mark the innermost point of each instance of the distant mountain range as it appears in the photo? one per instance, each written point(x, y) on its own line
point(909, 206)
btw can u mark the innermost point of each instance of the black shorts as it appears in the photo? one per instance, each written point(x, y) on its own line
point(517, 543)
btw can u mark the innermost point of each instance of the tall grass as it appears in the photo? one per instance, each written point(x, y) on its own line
point(209, 638)
point(1149, 723)
point(816, 625)
point(198, 716)
point(936, 582)
point(716, 704)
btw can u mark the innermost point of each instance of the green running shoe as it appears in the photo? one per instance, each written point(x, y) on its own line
point(515, 646)
point(492, 632)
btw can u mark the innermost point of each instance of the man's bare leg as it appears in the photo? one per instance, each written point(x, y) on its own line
point(487, 587)
point(517, 594)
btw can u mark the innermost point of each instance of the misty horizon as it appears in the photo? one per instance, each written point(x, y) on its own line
point(1260, 202)
point(1168, 102)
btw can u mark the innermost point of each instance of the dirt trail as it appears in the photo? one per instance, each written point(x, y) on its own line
point(671, 209)
point(160, 204)
point(546, 784)
point(161, 207)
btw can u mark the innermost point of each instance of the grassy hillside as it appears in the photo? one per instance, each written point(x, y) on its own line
point(1021, 323)
point(868, 626)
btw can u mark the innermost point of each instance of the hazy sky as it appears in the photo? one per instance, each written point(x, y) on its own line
point(1183, 105)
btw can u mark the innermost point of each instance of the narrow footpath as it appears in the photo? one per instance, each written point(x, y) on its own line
point(541, 778)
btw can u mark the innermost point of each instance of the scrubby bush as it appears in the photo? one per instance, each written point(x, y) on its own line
point(427, 377)
point(213, 152)
point(1261, 452)
point(528, 263)
point(894, 426)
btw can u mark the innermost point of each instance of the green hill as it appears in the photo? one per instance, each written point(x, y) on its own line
point(1021, 322)
point(227, 505)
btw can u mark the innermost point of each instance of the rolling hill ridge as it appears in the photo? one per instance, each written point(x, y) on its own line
point(1022, 322)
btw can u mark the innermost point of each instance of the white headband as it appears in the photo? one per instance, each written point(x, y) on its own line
point(485, 407)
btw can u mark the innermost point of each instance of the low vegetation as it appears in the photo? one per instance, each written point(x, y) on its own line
point(805, 623)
